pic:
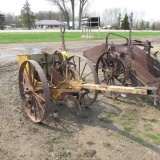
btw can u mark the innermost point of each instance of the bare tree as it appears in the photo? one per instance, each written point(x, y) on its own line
point(110, 16)
point(157, 25)
point(82, 4)
point(73, 7)
point(49, 15)
point(62, 5)
point(119, 18)
point(12, 19)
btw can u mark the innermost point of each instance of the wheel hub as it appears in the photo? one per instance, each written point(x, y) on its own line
point(108, 74)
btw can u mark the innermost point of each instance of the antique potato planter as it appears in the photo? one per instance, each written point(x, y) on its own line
point(46, 78)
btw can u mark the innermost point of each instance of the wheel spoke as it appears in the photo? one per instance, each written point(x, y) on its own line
point(102, 81)
point(89, 98)
point(32, 81)
point(40, 105)
point(35, 84)
point(83, 69)
point(28, 75)
point(74, 61)
point(104, 61)
point(25, 78)
point(39, 97)
point(86, 73)
point(110, 71)
point(32, 77)
point(35, 106)
point(30, 97)
point(31, 106)
point(24, 84)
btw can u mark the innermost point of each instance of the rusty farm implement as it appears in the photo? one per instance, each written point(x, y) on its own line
point(70, 80)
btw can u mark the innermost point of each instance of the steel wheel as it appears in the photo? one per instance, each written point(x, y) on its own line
point(87, 74)
point(34, 91)
point(110, 71)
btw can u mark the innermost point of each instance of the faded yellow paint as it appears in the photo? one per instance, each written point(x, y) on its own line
point(22, 58)
point(56, 91)
point(64, 54)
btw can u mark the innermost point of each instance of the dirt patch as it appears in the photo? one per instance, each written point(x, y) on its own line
point(127, 128)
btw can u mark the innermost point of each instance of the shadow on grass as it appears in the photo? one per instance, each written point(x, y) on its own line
point(136, 139)
point(67, 123)
point(140, 101)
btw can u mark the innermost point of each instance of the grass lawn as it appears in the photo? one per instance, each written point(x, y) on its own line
point(69, 36)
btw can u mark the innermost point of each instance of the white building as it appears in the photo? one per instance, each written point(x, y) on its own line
point(52, 24)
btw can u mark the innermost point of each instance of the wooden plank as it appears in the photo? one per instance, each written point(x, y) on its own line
point(131, 90)
point(120, 89)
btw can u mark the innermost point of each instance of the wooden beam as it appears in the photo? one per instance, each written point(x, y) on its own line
point(121, 89)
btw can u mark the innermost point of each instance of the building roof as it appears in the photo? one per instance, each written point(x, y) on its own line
point(49, 22)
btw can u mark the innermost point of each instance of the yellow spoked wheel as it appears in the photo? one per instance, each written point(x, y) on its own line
point(34, 91)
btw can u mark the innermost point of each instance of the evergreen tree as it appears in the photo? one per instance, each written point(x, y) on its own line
point(125, 23)
point(27, 17)
point(119, 20)
point(2, 21)
point(153, 26)
point(142, 25)
point(148, 25)
point(136, 26)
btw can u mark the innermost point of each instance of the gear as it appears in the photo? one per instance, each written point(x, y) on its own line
point(73, 105)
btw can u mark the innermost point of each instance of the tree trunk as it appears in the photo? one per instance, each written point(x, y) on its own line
point(72, 6)
point(80, 18)
point(81, 7)
point(61, 4)
point(28, 20)
point(73, 24)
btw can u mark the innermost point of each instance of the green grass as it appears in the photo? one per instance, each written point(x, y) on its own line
point(106, 120)
point(107, 145)
point(55, 140)
point(116, 102)
point(89, 153)
point(154, 120)
point(154, 137)
point(65, 153)
point(50, 149)
point(69, 36)
point(84, 116)
point(127, 128)
point(147, 127)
